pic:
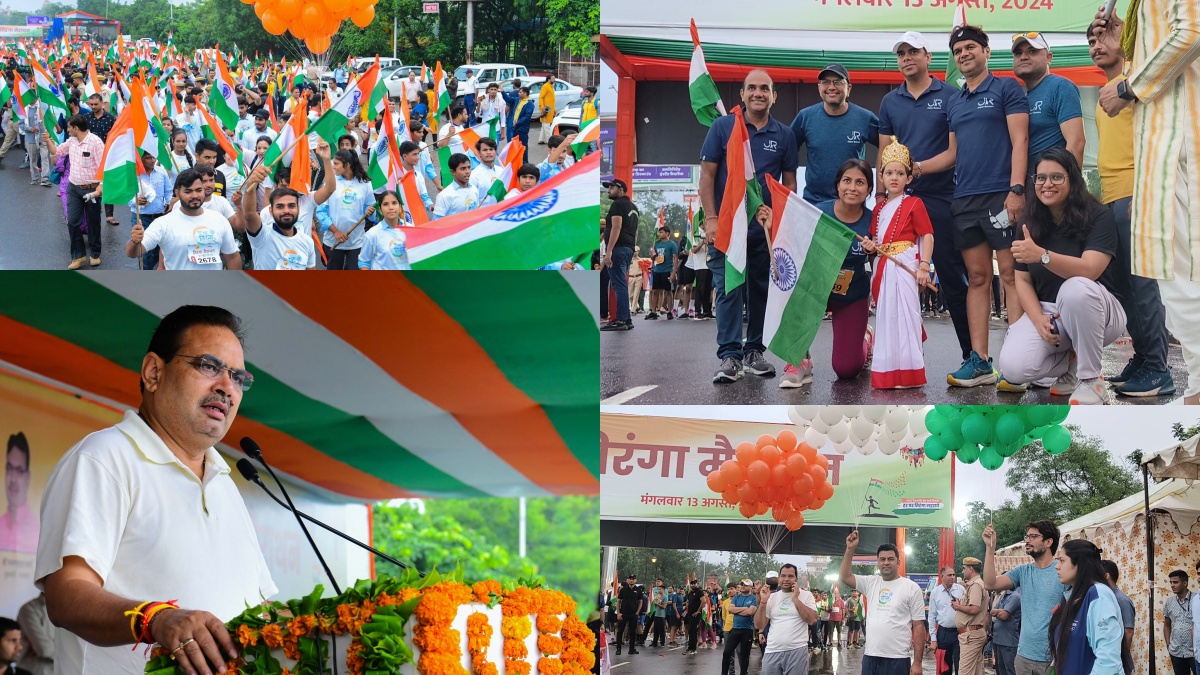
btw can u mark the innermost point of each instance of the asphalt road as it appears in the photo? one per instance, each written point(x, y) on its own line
point(34, 230)
point(672, 362)
point(670, 661)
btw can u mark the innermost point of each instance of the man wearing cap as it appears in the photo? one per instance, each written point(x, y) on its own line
point(620, 233)
point(248, 141)
point(773, 147)
point(970, 616)
point(1055, 114)
point(834, 131)
point(629, 607)
point(943, 632)
point(788, 613)
point(989, 133)
point(469, 86)
point(1162, 88)
point(742, 606)
point(915, 113)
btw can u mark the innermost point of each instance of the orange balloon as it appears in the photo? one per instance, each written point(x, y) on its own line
point(249, 2)
point(746, 454)
point(780, 476)
point(801, 500)
point(795, 522)
point(319, 44)
point(825, 491)
point(747, 493)
point(730, 495)
point(337, 6)
point(716, 482)
point(796, 465)
point(763, 507)
point(822, 461)
point(818, 473)
point(817, 504)
point(288, 10)
point(758, 473)
point(313, 16)
point(363, 17)
point(786, 440)
point(807, 450)
point(272, 23)
point(359, 5)
point(764, 441)
point(260, 9)
point(733, 472)
point(747, 510)
point(803, 485)
point(770, 454)
point(777, 514)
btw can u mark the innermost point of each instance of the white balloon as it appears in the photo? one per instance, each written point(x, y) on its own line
point(868, 447)
point(830, 415)
point(851, 411)
point(814, 438)
point(862, 428)
point(874, 413)
point(916, 420)
point(896, 418)
point(819, 424)
point(838, 433)
point(886, 445)
point(856, 439)
point(898, 435)
point(844, 447)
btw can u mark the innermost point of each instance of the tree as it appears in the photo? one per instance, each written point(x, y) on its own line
point(926, 544)
point(752, 566)
point(573, 23)
point(968, 534)
point(673, 566)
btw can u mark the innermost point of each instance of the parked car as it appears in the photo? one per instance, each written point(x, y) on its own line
point(566, 122)
point(394, 80)
point(385, 63)
point(564, 92)
point(486, 73)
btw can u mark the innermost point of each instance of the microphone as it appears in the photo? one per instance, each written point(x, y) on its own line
point(251, 448)
point(251, 474)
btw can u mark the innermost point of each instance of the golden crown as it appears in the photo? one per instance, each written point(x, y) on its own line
point(896, 152)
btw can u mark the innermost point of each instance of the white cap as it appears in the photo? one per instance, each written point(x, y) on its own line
point(912, 38)
point(1038, 41)
point(772, 575)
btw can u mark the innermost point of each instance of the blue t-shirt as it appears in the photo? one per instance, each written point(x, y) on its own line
point(740, 600)
point(856, 259)
point(664, 255)
point(773, 148)
point(1041, 591)
point(1052, 102)
point(832, 140)
point(418, 112)
point(675, 604)
point(921, 124)
point(979, 121)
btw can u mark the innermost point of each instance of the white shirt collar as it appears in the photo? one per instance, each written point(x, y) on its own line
point(152, 447)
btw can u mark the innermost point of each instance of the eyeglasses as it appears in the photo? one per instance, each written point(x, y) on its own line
point(1032, 537)
point(212, 367)
point(1033, 35)
point(833, 83)
point(1054, 178)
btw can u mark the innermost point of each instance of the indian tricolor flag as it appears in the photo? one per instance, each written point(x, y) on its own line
point(148, 131)
point(120, 164)
point(953, 77)
point(24, 96)
point(383, 165)
point(506, 179)
point(412, 197)
point(332, 123)
point(706, 100)
point(5, 91)
point(223, 98)
point(443, 91)
point(209, 129)
point(471, 135)
point(50, 94)
point(742, 197)
point(807, 250)
point(284, 147)
point(554, 221)
point(590, 133)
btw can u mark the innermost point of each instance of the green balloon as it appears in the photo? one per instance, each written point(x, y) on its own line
point(1010, 450)
point(1039, 415)
point(975, 429)
point(968, 454)
point(1009, 428)
point(1057, 439)
point(951, 437)
point(990, 458)
point(1060, 413)
point(935, 449)
point(935, 421)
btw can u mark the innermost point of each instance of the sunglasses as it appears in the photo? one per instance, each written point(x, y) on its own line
point(1033, 35)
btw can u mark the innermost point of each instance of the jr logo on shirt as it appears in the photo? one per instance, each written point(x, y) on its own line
point(855, 138)
point(771, 146)
point(1037, 108)
point(987, 103)
point(935, 104)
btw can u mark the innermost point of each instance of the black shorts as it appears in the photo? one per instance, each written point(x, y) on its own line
point(852, 624)
point(674, 621)
point(661, 282)
point(687, 276)
point(974, 222)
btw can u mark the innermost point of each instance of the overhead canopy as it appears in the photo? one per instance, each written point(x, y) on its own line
point(1175, 461)
point(370, 387)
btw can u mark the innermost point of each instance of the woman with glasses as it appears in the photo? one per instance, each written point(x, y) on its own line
point(1064, 282)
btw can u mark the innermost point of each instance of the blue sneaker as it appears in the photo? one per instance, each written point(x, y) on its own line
point(1134, 365)
point(974, 372)
point(1148, 383)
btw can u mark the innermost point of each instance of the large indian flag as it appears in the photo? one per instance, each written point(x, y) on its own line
point(332, 124)
point(742, 197)
point(554, 221)
point(590, 133)
point(284, 146)
point(50, 94)
point(706, 100)
point(383, 165)
point(807, 250)
point(119, 166)
point(223, 99)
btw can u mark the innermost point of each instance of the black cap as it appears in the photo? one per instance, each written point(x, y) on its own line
point(632, 576)
point(617, 182)
point(837, 68)
point(262, 114)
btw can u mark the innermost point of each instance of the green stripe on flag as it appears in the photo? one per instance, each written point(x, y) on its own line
point(444, 162)
point(542, 240)
point(272, 403)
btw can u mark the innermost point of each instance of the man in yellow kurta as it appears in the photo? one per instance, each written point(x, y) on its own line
point(546, 107)
point(431, 101)
point(1163, 47)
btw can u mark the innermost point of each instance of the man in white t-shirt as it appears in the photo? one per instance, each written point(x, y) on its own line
point(191, 237)
point(483, 175)
point(280, 245)
point(789, 613)
point(458, 196)
point(895, 608)
point(133, 514)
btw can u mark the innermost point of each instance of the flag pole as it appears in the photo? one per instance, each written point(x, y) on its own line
point(360, 222)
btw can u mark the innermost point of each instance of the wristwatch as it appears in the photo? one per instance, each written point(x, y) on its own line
point(1123, 91)
point(1045, 256)
point(1017, 189)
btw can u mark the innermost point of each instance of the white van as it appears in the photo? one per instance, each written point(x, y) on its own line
point(486, 73)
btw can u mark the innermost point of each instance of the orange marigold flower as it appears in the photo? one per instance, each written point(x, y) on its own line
point(549, 623)
point(517, 668)
point(291, 647)
point(549, 666)
point(246, 636)
point(440, 664)
point(549, 644)
point(272, 635)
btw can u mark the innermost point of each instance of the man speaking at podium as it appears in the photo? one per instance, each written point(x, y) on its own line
point(145, 538)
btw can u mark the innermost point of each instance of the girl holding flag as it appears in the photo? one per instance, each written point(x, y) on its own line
point(385, 247)
point(352, 202)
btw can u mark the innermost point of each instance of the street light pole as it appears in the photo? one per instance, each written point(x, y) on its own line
point(395, 26)
point(470, 30)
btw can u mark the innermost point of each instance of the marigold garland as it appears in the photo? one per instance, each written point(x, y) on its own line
point(479, 638)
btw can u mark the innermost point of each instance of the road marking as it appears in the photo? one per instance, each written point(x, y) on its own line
point(628, 395)
point(618, 665)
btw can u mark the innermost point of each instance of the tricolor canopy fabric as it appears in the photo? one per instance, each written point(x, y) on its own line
point(371, 386)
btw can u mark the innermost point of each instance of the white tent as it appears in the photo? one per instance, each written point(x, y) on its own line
point(1176, 461)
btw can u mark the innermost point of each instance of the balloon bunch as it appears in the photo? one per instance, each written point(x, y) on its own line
point(779, 474)
point(865, 427)
point(989, 434)
point(314, 21)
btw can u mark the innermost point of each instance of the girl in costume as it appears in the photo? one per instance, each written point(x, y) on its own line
point(901, 229)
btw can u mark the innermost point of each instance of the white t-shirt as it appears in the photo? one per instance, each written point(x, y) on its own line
point(233, 179)
point(788, 630)
point(384, 248)
point(137, 516)
point(274, 250)
point(215, 204)
point(191, 242)
point(455, 199)
point(308, 206)
point(482, 178)
point(347, 204)
point(249, 139)
point(891, 608)
point(456, 143)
